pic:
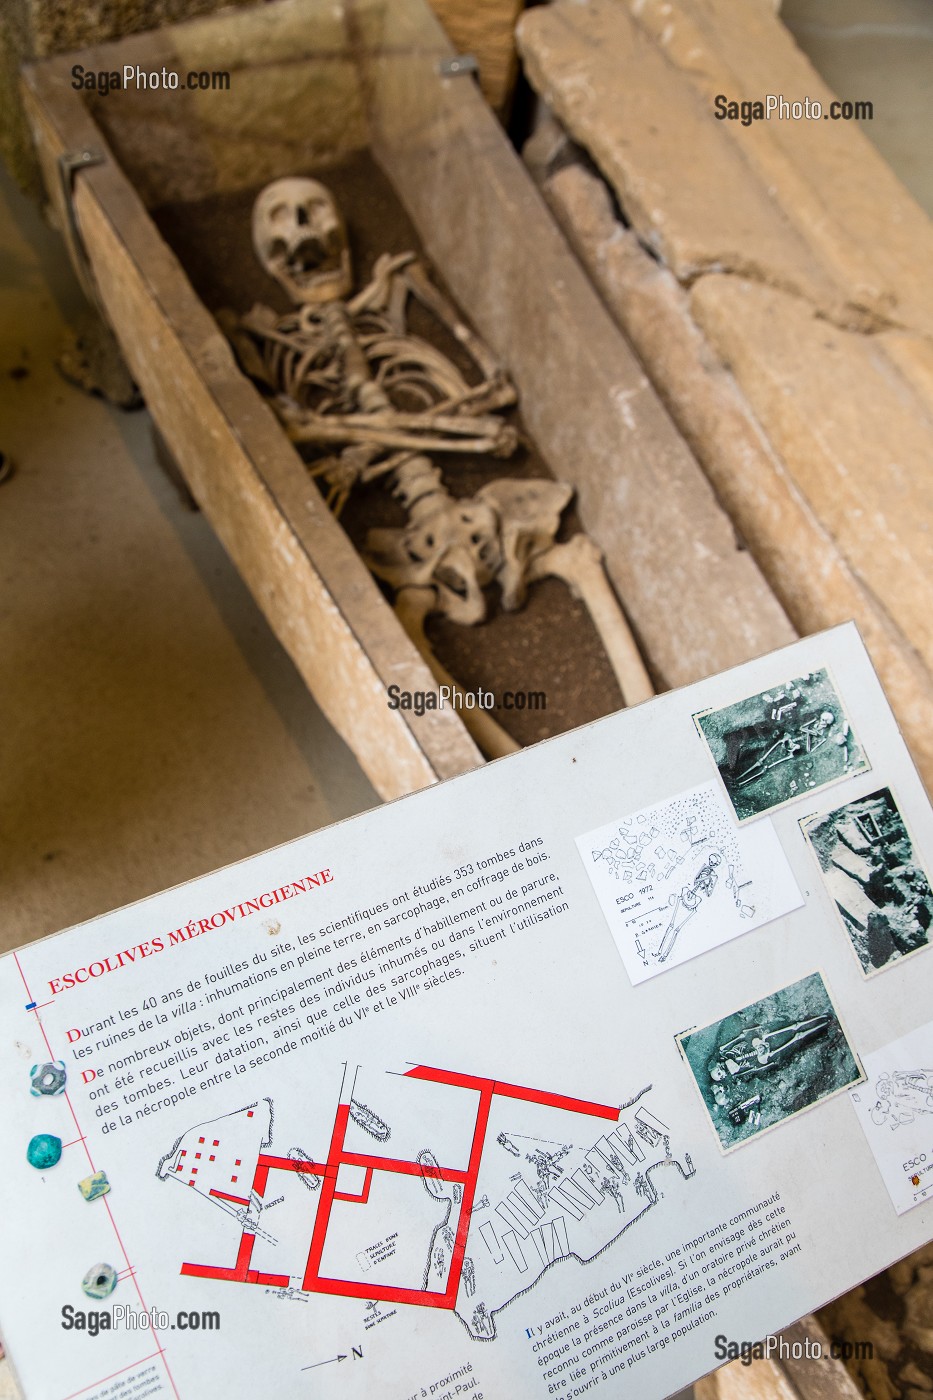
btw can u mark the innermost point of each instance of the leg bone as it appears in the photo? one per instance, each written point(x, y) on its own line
point(580, 564)
point(412, 606)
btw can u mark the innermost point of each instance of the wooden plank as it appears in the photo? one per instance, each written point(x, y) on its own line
point(762, 1380)
point(826, 1379)
point(293, 103)
point(784, 1376)
point(310, 583)
point(486, 29)
point(807, 206)
point(697, 602)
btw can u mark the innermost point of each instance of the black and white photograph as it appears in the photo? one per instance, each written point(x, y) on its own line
point(782, 744)
point(770, 1060)
point(875, 879)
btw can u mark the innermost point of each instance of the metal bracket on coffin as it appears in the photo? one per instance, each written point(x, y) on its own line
point(70, 165)
point(458, 66)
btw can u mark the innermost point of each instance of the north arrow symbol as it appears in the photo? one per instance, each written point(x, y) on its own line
point(330, 1359)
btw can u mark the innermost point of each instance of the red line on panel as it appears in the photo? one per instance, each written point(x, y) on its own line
point(514, 1091)
point(104, 1379)
point(447, 1076)
point(224, 1196)
point(238, 1274)
point(469, 1191)
point(346, 1288)
point(593, 1110)
point(363, 1197)
point(394, 1164)
point(312, 1280)
point(290, 1164)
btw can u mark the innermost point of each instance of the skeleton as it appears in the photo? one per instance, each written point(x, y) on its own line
point(759, 1049)
point(902, 1094)
point(348, 377)
point(811, 735)
point(349, 374)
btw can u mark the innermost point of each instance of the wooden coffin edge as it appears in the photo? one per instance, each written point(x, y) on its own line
point(316, 593)
point(698, 603)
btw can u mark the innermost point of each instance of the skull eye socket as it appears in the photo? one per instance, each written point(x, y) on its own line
point(278, 213)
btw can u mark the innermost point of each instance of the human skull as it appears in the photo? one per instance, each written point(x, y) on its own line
point(301, 240)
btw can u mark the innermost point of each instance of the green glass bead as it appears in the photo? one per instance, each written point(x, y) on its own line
point(44, 1150)
point(100, 1281)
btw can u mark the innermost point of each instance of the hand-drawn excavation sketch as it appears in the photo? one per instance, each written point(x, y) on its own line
point(900, 1096)
point(781, 744)
point(895, 1109)
point(678, 879)
point(454, 1192)
point(872, 873)
point(770, 1060)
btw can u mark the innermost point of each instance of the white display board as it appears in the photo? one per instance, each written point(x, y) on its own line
point(534, 1083)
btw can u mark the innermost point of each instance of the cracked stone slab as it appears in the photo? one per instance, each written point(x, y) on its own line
point(839, 192)
point(793, 548)
point(855, 436)
point(687, 190)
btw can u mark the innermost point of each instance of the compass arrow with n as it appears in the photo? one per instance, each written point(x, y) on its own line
point(328, 1362)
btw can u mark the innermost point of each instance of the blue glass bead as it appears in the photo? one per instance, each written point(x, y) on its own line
point(44, 1150)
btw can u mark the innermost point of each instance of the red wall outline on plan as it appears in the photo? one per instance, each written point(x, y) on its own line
point(337, 1156)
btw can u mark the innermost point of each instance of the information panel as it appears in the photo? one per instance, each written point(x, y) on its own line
point(551, 1080)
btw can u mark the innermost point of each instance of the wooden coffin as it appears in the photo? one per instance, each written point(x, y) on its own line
point(312, 81)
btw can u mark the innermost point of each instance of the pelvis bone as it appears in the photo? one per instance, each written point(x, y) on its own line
point(458, 547)
point(451, 549)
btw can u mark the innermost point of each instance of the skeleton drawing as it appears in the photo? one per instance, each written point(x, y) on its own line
point(901, 1096)
point(349, 378)
point(687, 902)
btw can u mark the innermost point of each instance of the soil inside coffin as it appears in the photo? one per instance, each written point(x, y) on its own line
point(548, 647)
